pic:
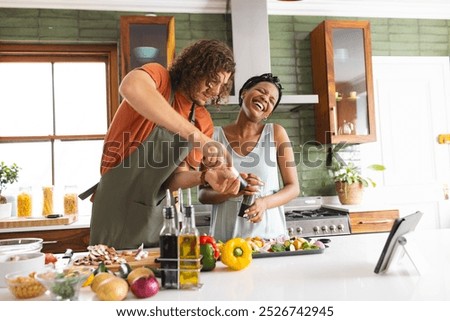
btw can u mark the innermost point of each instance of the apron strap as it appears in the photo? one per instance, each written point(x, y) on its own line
point(192, 114)
point(172, 96)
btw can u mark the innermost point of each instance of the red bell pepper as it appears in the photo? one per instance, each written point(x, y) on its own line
point(204, 239)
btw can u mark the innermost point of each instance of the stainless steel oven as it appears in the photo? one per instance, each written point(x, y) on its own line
point(308, 217)
point(305, 217)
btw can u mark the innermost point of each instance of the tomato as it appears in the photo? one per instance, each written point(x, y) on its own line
point(50, 258)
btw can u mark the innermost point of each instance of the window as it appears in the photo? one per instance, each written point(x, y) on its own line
point(56, 104)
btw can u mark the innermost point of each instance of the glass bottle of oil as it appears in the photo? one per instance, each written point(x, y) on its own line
point(189, 247)
point(168, 244)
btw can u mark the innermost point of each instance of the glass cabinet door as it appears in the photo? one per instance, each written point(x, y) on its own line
point(342, 77)
point(350, 82)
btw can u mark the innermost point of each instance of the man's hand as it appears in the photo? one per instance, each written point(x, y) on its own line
point(215, 155)
point(223, 180)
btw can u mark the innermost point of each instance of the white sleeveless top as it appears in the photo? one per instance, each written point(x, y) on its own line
point(261, 161)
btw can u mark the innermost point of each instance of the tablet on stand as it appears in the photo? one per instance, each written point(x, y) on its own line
point(396, 239)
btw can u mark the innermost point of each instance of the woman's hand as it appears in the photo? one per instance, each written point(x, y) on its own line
point(253, 182)
point(255, 212)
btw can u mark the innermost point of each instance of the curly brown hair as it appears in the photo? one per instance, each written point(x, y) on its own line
point(200, 62)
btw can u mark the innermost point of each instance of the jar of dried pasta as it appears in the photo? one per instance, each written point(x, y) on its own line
point(70, 200)
point(47, 207)
point(24, 202)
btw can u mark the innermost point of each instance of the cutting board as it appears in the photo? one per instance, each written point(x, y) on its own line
point(12, 222)
point(149, 261)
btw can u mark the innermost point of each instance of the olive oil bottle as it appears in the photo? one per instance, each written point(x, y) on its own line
point(168, 244)
point(189, 249)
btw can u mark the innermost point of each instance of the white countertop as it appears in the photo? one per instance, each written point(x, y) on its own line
point(365, 206)
point(361, 207)
point(343, 272)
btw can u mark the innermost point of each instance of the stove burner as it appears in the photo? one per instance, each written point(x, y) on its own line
point(316, 213)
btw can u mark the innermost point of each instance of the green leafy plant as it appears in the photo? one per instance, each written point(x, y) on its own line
point(349, 181)
point(8, 175)
point(350, 173)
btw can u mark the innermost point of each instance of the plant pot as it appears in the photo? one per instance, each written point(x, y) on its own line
point(5, 210)
point(349, 194)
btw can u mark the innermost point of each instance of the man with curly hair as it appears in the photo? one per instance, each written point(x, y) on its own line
point(158, 139)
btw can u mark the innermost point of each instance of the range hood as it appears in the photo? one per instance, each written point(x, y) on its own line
point(251, 46)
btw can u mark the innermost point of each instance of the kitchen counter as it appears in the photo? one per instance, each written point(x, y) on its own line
point(83, 221)
point(343, 272)
point(362, 207)
point(365, 206)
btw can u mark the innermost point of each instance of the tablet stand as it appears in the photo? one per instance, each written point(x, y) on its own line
point(404, 245)
point(416, 258)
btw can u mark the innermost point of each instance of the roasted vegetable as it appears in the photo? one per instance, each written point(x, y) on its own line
point(277, 247)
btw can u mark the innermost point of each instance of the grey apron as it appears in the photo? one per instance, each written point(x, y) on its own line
point(127, 208)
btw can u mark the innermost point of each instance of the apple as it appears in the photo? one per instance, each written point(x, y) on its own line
point(145, 287)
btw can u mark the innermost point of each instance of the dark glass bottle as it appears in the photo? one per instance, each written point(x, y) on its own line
point(247, 201)
point(168, 243)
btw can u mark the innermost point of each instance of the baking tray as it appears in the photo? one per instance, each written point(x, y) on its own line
point(257, 255)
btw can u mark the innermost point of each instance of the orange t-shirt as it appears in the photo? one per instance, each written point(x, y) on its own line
point(129, 129)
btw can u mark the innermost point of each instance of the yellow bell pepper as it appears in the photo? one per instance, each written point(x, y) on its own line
point(236, 254)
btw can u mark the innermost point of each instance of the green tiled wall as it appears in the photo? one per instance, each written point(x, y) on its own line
point(290, 58)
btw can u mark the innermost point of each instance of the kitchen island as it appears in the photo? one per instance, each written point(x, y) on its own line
point(344, 271)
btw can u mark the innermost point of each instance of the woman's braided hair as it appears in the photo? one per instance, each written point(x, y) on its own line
point(257, 79)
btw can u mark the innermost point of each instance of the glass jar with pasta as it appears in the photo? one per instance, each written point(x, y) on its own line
point(47, 207)
point(70, 200)
point(24, 202)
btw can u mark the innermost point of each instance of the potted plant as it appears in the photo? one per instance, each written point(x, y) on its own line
point(8, 175)
point(350, 183)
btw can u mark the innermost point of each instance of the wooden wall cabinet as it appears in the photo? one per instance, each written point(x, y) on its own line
point(341, 58)
point(145, 39)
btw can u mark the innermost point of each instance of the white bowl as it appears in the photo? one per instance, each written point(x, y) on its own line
point(27, 263)
point(20, 245)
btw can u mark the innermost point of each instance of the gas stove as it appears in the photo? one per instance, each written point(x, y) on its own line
point(307, 217)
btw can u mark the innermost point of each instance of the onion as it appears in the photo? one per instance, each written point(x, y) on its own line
point(319, 244)
point(145, 287)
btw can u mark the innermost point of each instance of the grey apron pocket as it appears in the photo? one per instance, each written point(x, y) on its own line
point(143, 224)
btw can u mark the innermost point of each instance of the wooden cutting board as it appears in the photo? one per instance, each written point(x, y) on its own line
point(149, 261)
point(12, 222)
